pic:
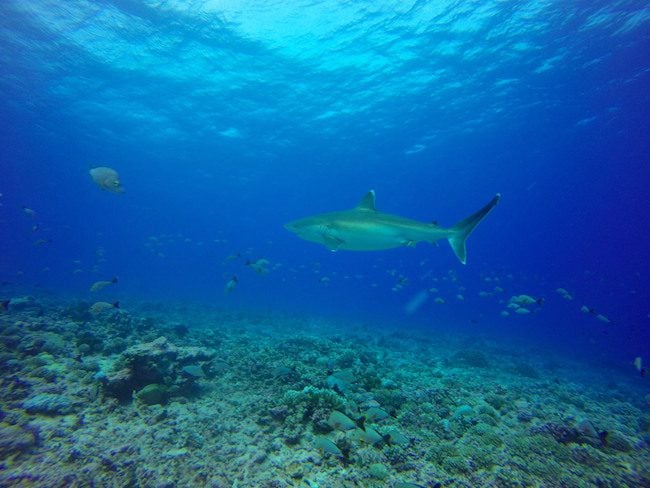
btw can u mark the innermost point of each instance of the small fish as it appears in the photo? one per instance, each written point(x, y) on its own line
point(100, 285)
point(107, 179)
point(4, 304)
point(397, 438)
point(282, 371)
point(193, 371)
point(367, 436)
point(526, 300)
point(260, 266)
point(42, 242)
point(602, 318)
point(564, 294)
point(99, 307)
point(232, 284)
point(29, 211)
point(232, 257)
point(638, 364)
point(340, 421)
point(374, 414)
point(588, 310)
point(327, 446)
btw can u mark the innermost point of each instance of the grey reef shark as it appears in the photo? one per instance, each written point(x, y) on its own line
point(364, 228)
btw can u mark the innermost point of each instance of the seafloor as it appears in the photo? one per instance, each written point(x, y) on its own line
point(164, 395)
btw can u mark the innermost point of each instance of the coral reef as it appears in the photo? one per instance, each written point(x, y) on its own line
point(139, 398)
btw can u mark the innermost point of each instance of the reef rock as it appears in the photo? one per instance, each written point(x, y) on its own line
point(14, 440)
point(157, 362)
point(48, 404)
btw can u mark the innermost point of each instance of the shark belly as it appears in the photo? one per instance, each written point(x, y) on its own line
point(377, 237)
point(367, 242)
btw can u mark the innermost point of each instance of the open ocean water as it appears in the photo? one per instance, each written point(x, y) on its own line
point(162, 326)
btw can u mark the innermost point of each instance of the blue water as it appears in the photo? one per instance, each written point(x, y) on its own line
point(228, 119)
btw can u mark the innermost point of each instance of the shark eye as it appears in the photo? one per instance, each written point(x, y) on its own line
point(116, 183)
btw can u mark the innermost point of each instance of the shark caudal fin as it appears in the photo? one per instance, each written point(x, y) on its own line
point(464, 228)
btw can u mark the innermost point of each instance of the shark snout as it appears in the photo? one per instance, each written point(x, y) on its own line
point(292, 227)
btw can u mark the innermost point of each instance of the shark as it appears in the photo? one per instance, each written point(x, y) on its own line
point(364, 228)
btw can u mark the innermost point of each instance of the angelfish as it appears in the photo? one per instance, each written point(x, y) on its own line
point(107, 179)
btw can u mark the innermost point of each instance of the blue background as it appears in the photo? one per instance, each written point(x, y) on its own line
point(228, 119)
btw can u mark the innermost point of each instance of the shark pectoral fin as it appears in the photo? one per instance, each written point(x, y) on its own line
point(332, 243)
point(462, 230)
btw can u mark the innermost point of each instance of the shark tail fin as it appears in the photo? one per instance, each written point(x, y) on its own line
point(462, 230)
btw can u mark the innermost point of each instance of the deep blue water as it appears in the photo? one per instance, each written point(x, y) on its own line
point(228, 119)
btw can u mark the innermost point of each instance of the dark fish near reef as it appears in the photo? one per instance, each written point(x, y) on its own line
point(107, 179)
point(232, 284)
point(522, 300)
point(41, 242)
point(99, 307)
point(638, 364)
point(231, 257)
point(29, 211)
point(100, 285)
point(591, 311)
point(375, 414)
point(588, 310)
point(327, 446)
point(193, 371)
point(260, 266)
point(4, 304)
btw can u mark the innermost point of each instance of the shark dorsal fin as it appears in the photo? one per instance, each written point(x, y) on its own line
point(368, 202)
